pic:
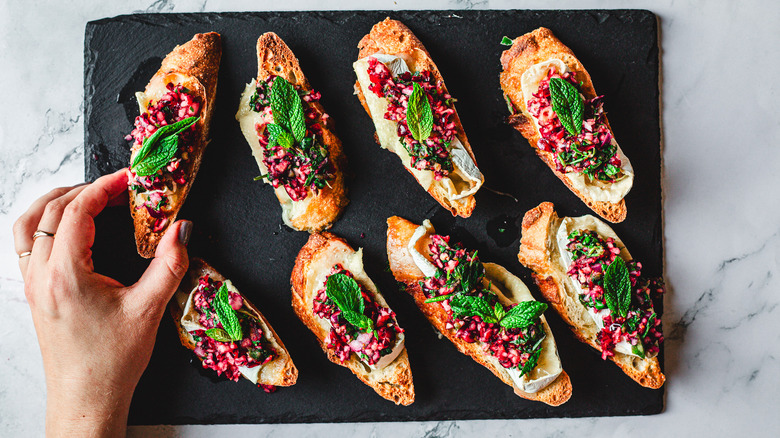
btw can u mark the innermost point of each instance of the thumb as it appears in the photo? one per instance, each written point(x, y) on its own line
point(165, 272)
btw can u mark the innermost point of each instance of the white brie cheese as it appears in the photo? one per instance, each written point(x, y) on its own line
point(513, 290)
point(595, 189)
point(462, 182)
point(589, 222)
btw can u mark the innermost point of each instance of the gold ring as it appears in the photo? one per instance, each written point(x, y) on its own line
point(41, 233)
point(25, 254)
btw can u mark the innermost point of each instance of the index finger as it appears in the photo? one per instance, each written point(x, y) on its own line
point(76, 232)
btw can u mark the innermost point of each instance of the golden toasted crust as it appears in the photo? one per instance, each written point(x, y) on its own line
point(527, 50)
point(197, 61)
point(393, 38)
point(288, 373)
point(394, 382)
point(275, 57)
point(399, 232)
point(538, 233)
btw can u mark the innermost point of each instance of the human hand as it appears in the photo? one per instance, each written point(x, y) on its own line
point(96, 335)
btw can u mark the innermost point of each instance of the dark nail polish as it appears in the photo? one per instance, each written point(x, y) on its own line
point(185, 230)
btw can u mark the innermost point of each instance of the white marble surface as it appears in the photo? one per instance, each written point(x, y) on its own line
point(722, 215)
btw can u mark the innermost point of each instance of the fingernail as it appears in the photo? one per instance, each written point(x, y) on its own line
point(185, 230)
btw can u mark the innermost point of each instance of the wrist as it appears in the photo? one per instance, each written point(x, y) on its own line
point(86, 409)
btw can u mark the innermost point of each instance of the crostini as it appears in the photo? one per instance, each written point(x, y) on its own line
point(554, 105)
point(488, 313)
point(292, 139)
point(414, 115)
point(170, 136)
point(586, 273)
point(338, 302)
point(227, 332)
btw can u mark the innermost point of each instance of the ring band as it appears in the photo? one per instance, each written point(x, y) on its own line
point(41, 233)
point(25, 254)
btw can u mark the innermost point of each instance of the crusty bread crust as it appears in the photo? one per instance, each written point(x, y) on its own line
point(393, 38)
point(198, 62)
point(198, 268)
point(275, 57)
point(399, 232)
point(527, 50)
point(394, 382)
point(536, 251)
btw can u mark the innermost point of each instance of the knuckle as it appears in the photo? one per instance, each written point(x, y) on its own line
point(21, 225)
point(178, 265)
point(55, 207)
point(72, 206)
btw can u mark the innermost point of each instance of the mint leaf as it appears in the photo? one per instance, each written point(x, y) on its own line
point(287, 108)
point(467, 305)
point(523, 314)
point(218, 334)
point(158, 146)
point(530, 364)
point(618, 284)
point(506, 41)
point(419, 116)
point(297, 121)
point(278, 135)
point(226, 315)
point(160, 158)
point(344, 291)
point(611, 300)
point(499, 311)
point(358, 320)
point(567, 104)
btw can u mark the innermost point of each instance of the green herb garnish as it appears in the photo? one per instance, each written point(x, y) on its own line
point(344, 291)
point(567, 104)
point(226, 315)
point(520, 316)
point(419, 116)
point(218, 334)
point(617, 287)
point(287, 108)
point(506, 41)
point(159, 148)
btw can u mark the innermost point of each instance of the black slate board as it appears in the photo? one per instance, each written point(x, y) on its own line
point(238, 226)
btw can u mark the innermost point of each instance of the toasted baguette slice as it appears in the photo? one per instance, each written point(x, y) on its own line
point(280, 371)
point(314, 261)
point(399, 232)
point(317, 211)
point(195, 65)
point(526, 51)
point(391, 37)
point(539, 252)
